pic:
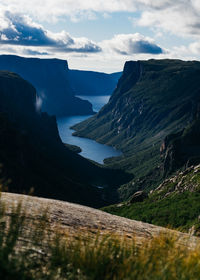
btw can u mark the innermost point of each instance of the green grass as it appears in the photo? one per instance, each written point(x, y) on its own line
point(177, 211)
point(175, 204)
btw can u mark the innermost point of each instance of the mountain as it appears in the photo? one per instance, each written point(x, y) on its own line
point(33, 156)
point(50, 77)
point(93, 83)
point(153, 99)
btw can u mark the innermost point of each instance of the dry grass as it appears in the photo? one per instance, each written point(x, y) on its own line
point(30, 250)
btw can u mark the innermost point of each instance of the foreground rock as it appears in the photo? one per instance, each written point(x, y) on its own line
point(76, 218)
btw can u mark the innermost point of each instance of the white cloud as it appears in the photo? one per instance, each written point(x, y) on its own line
point(21, 30)
point(195, 48)
point(129, 44)
point(52, 9)
point(192, 51)
point(181, 17)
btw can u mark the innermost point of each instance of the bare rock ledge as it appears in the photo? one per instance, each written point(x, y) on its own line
point(75, 218)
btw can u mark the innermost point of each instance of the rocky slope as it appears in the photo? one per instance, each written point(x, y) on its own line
point(93, 83)
point(33, 156)
point(153, 99)
point(184, 181)
point(75, 218)
point(174, 203)
point(50, 77)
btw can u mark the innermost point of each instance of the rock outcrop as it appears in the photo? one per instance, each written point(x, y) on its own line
point(183, 181)
point(182, 149)
point(75, 218)
point(138, 197)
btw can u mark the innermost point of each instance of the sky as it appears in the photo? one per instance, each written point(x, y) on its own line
point(101, 35)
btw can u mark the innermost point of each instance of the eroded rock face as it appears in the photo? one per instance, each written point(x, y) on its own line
point(181, 149)
point(184, 181)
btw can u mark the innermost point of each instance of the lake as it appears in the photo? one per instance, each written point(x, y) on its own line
point(90, 148)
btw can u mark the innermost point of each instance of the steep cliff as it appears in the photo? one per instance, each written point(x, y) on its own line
point(181, 149)
point(153, 99)
point(93, 83)
point(33, 155)
point(50, 77)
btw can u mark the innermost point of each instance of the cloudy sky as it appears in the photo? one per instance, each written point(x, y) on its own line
point(100, 34)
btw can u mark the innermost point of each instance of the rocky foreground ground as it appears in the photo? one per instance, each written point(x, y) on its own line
point(76, 218)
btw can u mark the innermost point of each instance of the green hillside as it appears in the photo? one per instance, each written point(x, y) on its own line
point(153, 99)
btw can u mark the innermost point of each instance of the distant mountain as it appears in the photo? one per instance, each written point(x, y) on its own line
point(33, 156)
point(50, 77)
point(93, 83)
point(153, 99)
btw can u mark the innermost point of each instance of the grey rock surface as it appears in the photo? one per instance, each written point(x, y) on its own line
point(75, 218)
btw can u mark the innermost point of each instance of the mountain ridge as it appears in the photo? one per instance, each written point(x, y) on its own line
point(153, 99)
point(92, 82)
point(50, 77)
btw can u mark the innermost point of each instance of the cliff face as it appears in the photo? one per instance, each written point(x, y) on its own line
point(33, 155)
point(153, 99)
point(50, 77)
point(182, 149)
point(93, 83)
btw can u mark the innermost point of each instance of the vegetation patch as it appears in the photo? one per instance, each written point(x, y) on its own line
point(178, 211)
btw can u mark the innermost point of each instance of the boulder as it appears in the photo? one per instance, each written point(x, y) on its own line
point(138, 197)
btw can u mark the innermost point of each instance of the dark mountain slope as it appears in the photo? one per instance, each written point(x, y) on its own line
point(93, 83)
point(181, 149)
point(50, 77)
point(33, 155)
point(152, 99)
point(176, 201)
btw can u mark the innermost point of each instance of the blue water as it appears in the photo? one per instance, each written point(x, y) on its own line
point(90, 148)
